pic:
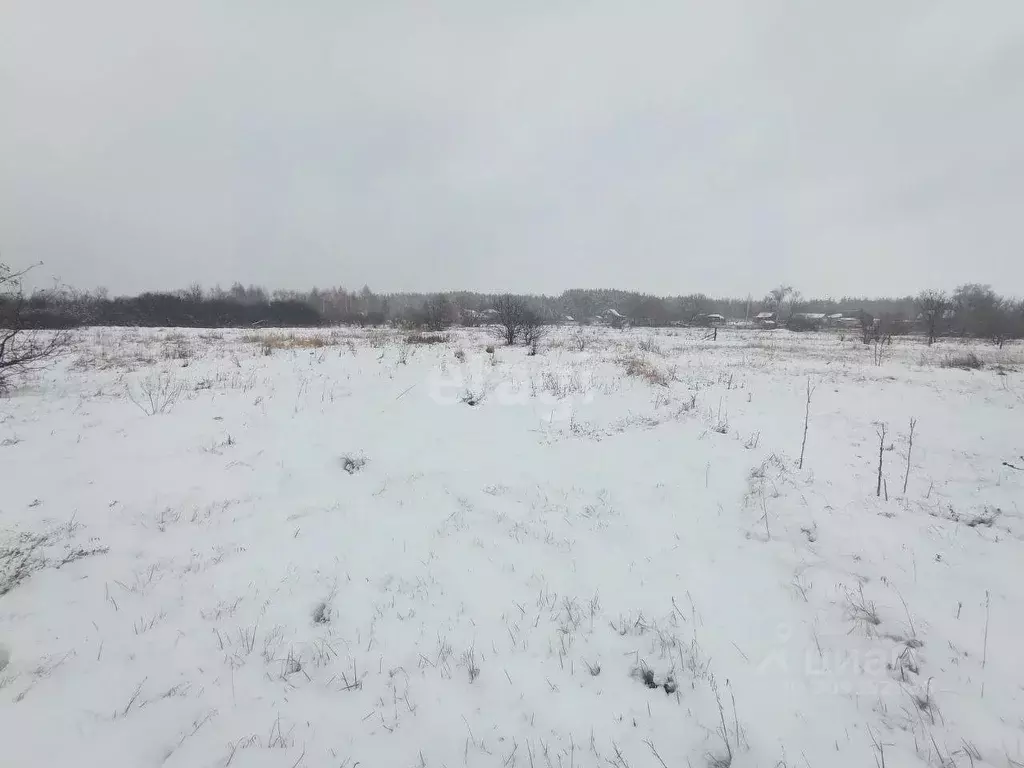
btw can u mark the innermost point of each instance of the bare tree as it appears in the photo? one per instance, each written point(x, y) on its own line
point(438, 313)
point(22, 349)
point(881, 430)
point(910, 450)
point(999, 323)
point(932, 305)
point(777, 298)
point(807, 419)
point(518, 322)
point(534, 330)
point(513, 312)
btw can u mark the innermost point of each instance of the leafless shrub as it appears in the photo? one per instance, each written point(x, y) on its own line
point(157, 393)
point(807, 418)
point(23, 350)
point(564, 383)
point(578, 340)
point(534, 331)
point(428, 338)
point(881, 345)
point(322, 613)
point(437, 313)
point(860, 609)
point(910, 449)
point(472, 397)
point(932, 305)
point(648, 344)
point(880, 430)
point(517, 321)
point(353, 462)
point(511, 315)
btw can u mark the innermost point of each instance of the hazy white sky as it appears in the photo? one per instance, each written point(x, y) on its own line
point(687, 145)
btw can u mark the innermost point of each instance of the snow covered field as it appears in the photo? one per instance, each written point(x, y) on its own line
point(338, 548)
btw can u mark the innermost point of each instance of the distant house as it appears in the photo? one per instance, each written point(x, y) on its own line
point(713, 319)
point(764, 318)
point(805, 321)
point(612, 317)
point(472, 317)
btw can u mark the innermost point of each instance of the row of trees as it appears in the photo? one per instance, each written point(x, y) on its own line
point(970, 310)
point(239, 304)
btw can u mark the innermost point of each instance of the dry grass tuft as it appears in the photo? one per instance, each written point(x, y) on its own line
point(427, 338)
point(272, 341)
point(967, 361)
point(641, 368)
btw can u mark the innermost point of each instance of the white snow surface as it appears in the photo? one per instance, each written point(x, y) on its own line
point(320, 553)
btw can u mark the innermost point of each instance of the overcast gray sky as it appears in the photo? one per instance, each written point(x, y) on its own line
point(688, 145)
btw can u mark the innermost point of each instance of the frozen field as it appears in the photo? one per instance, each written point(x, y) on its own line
point(339, 548)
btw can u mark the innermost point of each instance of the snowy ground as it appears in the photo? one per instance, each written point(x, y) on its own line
point(341, 549)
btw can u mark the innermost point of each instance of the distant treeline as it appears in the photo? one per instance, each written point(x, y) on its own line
point(969, 310)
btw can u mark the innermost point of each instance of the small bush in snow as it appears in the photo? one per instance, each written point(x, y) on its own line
point(322, 613)
point(157, 393)
point(648, 344)
point(471, 398)
point(352, 463)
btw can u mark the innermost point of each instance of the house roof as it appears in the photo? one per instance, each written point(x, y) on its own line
point(764, 316)
point(613, 312)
